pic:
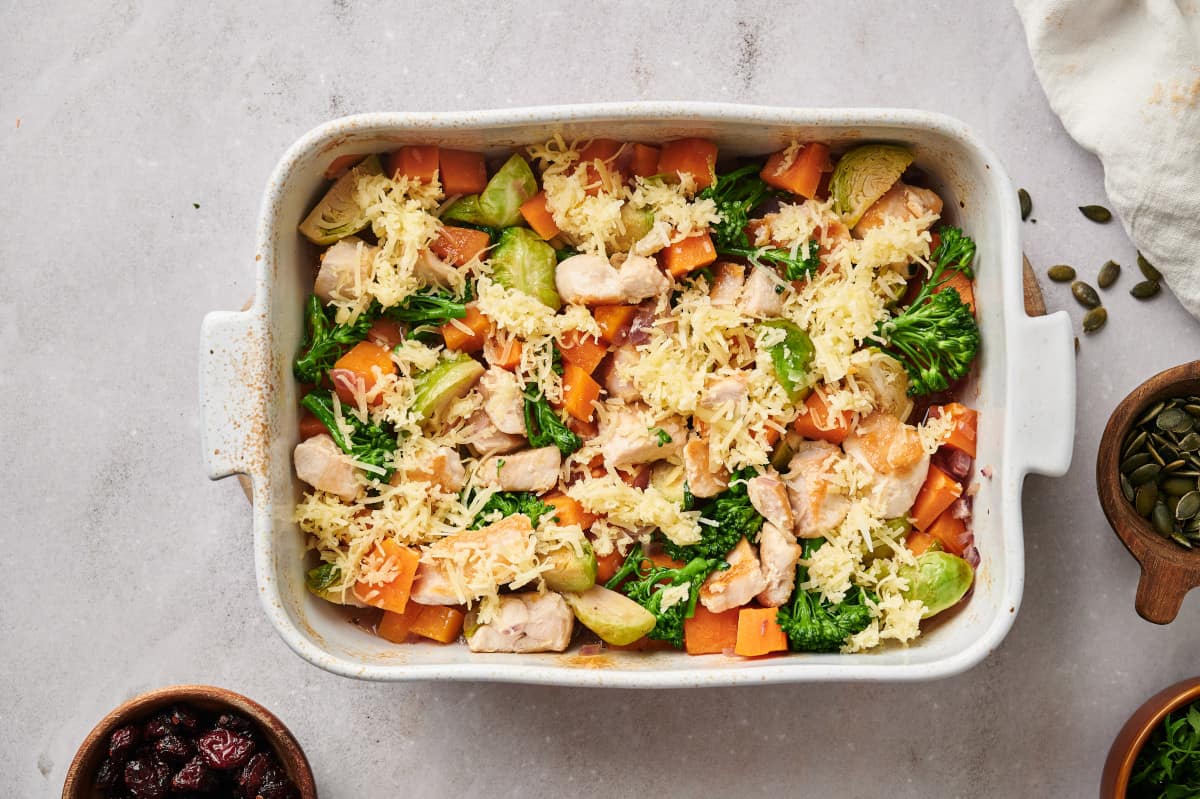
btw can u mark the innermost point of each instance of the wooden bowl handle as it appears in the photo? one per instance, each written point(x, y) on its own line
point(1161, 589)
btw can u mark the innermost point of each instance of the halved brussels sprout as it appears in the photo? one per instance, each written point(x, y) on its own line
point(500, 202)
point(464, 209)
point(524, 262)
point(571, 572)
point(863, 175)
point(444, 383)
point(337, 215)
point(939, 580)
point(637, 223)
point(319, 582)
point(616, 618)
point(791, 358)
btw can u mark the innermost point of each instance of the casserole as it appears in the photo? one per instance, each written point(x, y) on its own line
point(1025, 388)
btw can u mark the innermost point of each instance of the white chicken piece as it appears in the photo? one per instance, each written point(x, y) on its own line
point(503, 401)
point(486, 439)
point(617, 381)
point(818, 504)
point(321, 463)
point(769, 497)
point(345, 267)
point(702, 479)
point(890, 452)
point(433, 271)
point(730, 588)
point(588, 279)
point(625, 440)
point(778, 553)
point(728, 279)
point(760, 296)
point(528, 622)
point(432, 585)
point(529, 470)
point(901, 201)
point(724, 390)
point(443, 467)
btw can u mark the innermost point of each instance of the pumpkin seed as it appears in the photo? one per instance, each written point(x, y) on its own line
point(1026, 203)
point(1061, 273)
point(1188, 507)
point(1192, 408)
point(1144, 474)
point(1135, 443)
point(1160, 517)
point(1174, 420)
point(1145, 498)
point(1134, 461)
point(1145, 290)
point(1154, 453)
point(1178, 486)
point(1172, 503)
point(1190, 442)
point(1183, 542)
point(1148, 269)
point(1108, 274)
point(1152, 414)
point(1127, 489)
point(1096, 213)
point(1086, 295)
point(1094, 319)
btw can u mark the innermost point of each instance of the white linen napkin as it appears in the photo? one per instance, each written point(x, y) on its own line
point(1124, 76)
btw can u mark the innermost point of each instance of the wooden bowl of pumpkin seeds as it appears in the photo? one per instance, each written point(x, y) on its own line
point(1148, 479)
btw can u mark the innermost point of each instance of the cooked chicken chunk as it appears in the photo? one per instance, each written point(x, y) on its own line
point(901, 201)
point(345, 268)
point(432, 585)
point(818, 505)
point(487, 439)
point(529, 470)
point(702, 479)
point(769, 497)
point(443, 468)
point(321, 463)
point(527, 622)
point(625, 440)
point(779, 553)
point(433, 271)
point(759, 295)
point(591, 280)
point(733, 587)
point(724, 390)
point(616, 377)
point(503, 401)
point(890, 451)
point(728, 279)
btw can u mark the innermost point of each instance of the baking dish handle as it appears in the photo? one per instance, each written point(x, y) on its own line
point(233, 387)
point(1042, 391)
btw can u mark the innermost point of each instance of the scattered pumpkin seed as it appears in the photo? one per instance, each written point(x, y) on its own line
point(1178, 486)
point(1161, 518)
point(1193, 408)
point(1108, 274)
point(1175, 465)
point(1190, 442)
point(1094, 319)
point(1026, 203)
point(1135, 442)
point(1145, 290)
point(1188, 507)
point(1183, 542)
point(1086, 295)
point(1174, 420)
point(1096, 213)
point(1062, 273)
point(1144, 474)
point(1145, 498)
point(1148, 269)
point(1152, 412)
point(1127, 489)
point(1134, 461)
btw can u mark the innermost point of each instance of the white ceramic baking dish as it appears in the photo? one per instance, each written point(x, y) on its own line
point(1025, 388)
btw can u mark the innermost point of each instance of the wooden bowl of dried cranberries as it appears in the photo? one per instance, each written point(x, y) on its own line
point(190, 740)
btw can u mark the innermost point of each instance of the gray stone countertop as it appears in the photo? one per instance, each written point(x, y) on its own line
point(126, 570)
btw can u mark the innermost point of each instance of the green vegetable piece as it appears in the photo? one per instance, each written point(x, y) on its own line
point(433, 306)
point(369, 444)
point(324, 341)
point(791, 358)
point(637, 223)
point(322, 577)
point(500, 202)
point(444, 383)
point(939, 580)
point(729, 517)
point(524, 262)
point(643, 581)
point(337, 215)
point(510, 502)
point(617, 619)
point(571, 571)
point(813, 625)
point(543, 427)
point(465, 209)
point(863, 175)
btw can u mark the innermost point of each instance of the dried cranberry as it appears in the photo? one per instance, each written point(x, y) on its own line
point(159, 726)
point(225, 749)
point(108, 774)
point(195, 776)
point(251, 777)
point(275, 785)
point(174, 749)
point(122, 741)
point(183, 718)
point(147, 778)
point(232, 721)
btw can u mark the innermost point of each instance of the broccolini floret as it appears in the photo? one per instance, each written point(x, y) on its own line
point(813, 625)
point(733, 518)
point(324, 341)
point(543, 427)
point(368, 443)
point(643, 581)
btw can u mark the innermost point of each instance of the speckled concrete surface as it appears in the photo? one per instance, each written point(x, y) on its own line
point(126, 570)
